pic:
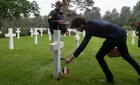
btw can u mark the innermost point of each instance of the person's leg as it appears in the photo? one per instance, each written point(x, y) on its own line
point(125, 55)
point(139, 41)
point(105, 48)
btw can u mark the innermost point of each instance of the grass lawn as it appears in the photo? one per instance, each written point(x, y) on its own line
point(30, 64)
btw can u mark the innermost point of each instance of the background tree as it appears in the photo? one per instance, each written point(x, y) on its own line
point(125, 12)
point(16, 8)
point(93, 13)
point(84, 4)
point(107, 16)
point(134, 17)
point(111, 16)
point(115, 16)
point(45, 21)
point(71, 13)
point(136, 11)
point(66, 7)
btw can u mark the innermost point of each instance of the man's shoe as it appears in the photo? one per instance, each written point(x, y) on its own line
point(110, 81)
point(107, 80)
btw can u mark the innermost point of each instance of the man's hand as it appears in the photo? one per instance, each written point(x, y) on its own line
point(61, 21)
point(69, 59)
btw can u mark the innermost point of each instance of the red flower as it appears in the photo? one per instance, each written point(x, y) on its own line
point(138, 24)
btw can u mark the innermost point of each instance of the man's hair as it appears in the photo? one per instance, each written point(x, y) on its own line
point(77, 21)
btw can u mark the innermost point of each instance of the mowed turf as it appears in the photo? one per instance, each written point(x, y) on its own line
point(30, 64)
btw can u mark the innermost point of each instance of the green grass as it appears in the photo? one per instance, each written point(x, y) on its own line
point(30, 64)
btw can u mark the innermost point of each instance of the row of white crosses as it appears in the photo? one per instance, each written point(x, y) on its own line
point(35, 33)
point(36, 29)
point(10, 35)
point(73, 30)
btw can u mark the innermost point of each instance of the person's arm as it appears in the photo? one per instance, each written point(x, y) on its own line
point(79, 49)
point(52, 18)
point(82, 45)
point(69, 59)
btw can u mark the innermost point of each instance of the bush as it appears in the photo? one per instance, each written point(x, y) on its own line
point(127, 27)
point(4, 31)
point(25, 32)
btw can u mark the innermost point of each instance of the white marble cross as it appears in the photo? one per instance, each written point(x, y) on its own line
point(56, 47)
point(10, 35)
point(35, 36)
point(84, 33)
point(31, 31)
point(18, 33)
point(133, 37)
point(49, 34)
point(41, 31)
point(77, 38)
point(69, 30)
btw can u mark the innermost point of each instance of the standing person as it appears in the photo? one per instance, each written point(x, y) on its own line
point(114, 36)
point(138, 33)
point(56, 19)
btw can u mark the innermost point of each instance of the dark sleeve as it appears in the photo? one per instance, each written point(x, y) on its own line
point(82, 45)
point(138, 30)
point(52, 18)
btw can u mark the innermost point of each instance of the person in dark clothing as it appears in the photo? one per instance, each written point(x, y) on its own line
point(56, 19)
point(114, 36)
point(138, 33)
